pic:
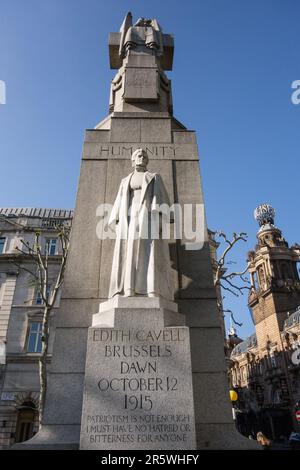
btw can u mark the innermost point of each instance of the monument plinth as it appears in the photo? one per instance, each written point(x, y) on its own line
point(138, 381)
point(179, 377)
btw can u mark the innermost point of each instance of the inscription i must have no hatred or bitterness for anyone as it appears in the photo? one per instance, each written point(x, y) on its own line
point(148, 426)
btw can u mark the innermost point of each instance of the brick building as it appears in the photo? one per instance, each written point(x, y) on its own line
point(265, 368)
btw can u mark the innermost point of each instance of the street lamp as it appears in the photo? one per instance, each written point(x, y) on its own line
point(233, 397)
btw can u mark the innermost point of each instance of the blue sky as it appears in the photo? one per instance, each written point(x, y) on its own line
point(234, 64)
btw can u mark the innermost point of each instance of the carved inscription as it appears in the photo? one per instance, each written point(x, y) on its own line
point(109, 150)
point(141, 395)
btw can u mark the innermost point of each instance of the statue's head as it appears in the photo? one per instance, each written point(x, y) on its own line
point(140, 158)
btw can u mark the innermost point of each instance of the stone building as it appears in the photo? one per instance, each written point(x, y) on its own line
point(265, 368)
point(20, 317)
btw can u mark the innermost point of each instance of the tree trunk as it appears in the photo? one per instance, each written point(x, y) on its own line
point(43, 363)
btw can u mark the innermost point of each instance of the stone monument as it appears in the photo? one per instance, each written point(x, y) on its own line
point(138, 389)
point(148, 370)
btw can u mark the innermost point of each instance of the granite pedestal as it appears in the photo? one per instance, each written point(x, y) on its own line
point(138, 383)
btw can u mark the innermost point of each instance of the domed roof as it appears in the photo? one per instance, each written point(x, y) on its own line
point(264, 214)
point(243, 347)
point(293, 319)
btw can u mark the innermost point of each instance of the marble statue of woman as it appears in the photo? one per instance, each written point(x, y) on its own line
point(141, 264)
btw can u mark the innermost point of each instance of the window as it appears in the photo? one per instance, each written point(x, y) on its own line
point(38, 299)
point(34, 343)
point(2, 244)
point(26, 418)
point(262, 277)
point(51, 246)
point(285, 271)
point(273, 361)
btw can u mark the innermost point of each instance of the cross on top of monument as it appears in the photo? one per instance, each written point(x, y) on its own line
point(145, 36)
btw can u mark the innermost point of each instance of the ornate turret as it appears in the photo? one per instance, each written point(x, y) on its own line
point(268, 234)
point(265, 215)
point(274, 276)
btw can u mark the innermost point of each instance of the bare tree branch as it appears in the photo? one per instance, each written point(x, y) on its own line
point(22, 267)
point(228, 289)
point(220, 273)
point(234, 282)
point(239, 288)
point(235, 274)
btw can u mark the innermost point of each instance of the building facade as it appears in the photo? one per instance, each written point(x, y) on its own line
point(21, 311)
point(265, 368)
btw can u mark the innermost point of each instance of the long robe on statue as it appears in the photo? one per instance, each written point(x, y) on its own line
point(141, 261)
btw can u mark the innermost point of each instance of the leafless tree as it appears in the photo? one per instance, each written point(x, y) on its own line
point(232, 281)
point(39, 258)
point(229, 280)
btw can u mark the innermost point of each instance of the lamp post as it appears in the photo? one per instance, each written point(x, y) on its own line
point(233, 398)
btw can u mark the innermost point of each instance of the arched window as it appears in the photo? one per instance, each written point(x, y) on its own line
point(255, 280)
point(285, 271)
point(262, 277)
point(276, 396)
point(26, 418)
point(273, 360)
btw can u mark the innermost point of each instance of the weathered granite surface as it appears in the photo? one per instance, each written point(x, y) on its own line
point(143, 120)
point(138, 384)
